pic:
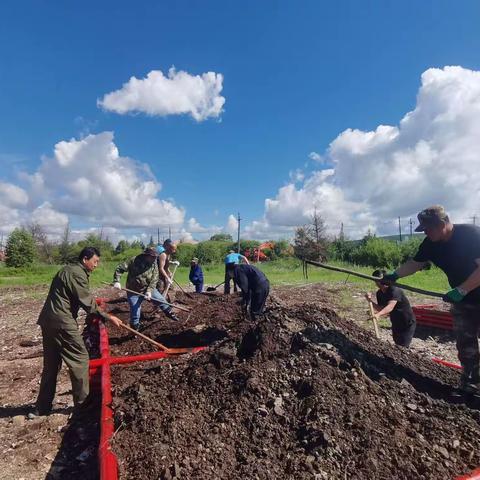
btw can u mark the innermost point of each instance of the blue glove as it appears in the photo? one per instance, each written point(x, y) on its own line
point(454, 296)
point(390, 277)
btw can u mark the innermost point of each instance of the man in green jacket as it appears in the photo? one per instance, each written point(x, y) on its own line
point(142, 279)
point(62, 340)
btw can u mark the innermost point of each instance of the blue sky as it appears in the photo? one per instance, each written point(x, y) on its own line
point(295, 75)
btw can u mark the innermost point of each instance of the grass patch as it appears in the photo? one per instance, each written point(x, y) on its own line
point(280, 272)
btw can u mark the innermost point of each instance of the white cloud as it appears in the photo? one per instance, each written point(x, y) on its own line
point(316, 157)
point(12, 195)
point(232, 225)
point(88, 178)
point(174, 94)
point(432, 156)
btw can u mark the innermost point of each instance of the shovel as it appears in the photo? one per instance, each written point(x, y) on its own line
point(165, 293)
point(374, 319)
point(157, 344)
point(375, 279)
point(185, 309)
point(189, 295)
point(212, 289)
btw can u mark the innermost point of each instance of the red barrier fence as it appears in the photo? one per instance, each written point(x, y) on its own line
point(431, 316)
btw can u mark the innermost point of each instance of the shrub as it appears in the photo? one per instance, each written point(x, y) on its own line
point(20, 249)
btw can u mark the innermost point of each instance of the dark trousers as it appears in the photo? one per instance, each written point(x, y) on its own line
point(198, 287)
point(466, 323)
point(63, 345)
point(403, 335)
point(258, 298)
point(229, 269)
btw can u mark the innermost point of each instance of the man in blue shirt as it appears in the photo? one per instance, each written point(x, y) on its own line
point(231, 260)
point(196, 275)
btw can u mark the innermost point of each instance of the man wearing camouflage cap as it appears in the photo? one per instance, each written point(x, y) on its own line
point(455, 249)
point(142, 278)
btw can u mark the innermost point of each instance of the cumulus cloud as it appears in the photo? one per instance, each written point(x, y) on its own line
point(232, 224)
point(431, 156)
point(174, 94)
point(88, 178)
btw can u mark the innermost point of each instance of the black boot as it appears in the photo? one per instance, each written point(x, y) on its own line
point(172, 316)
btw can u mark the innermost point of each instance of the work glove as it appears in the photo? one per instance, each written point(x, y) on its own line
point(117, 285)
point(168, 281)
point(175, 262)
point(391, 277)
point(454, 296)
point(148, 296)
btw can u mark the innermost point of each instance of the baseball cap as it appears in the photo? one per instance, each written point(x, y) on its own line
point(431, 217)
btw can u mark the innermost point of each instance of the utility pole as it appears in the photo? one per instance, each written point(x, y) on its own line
point(474, 218)
point(411, 228)
point(158, 235)
point(342, 235)
point(400, 229)
point(238, 232)
point(169, 232)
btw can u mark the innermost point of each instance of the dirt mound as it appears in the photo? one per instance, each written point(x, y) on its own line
point(300, 394)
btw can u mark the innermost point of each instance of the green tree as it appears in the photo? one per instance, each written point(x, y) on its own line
point(212, 252)
point(185, 253)
point(311, 241)
point(221, 237)
point(20, 249)
point(122, 246)
point(94, 240)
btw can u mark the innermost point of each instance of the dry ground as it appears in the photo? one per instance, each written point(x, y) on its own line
point(28, 447)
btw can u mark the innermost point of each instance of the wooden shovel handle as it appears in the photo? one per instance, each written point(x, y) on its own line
point(374, 319)
point(148, 339)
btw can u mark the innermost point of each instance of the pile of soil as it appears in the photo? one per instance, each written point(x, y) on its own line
point(302, 393)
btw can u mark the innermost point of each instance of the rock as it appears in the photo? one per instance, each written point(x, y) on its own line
point(278, 402)
point(279, 411)
point(18, 420)
point(442, 450)
point(57, 420)
point(455, 443)
point(262, 411)
point(166, 475)
point(411, 406)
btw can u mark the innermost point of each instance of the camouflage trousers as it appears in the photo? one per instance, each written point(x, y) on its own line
point(466, 323)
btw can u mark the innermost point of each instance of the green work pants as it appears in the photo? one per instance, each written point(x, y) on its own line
point(67, 345)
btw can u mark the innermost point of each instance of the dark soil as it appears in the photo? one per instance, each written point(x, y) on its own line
point(301, 394)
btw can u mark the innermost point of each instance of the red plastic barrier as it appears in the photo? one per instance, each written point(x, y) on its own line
point(101, 367)
point(429, 316)
point(138, 358)
point(107, 459)
point(447, 364)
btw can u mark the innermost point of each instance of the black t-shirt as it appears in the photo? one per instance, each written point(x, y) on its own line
point(456, 257)
point(402, 315)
